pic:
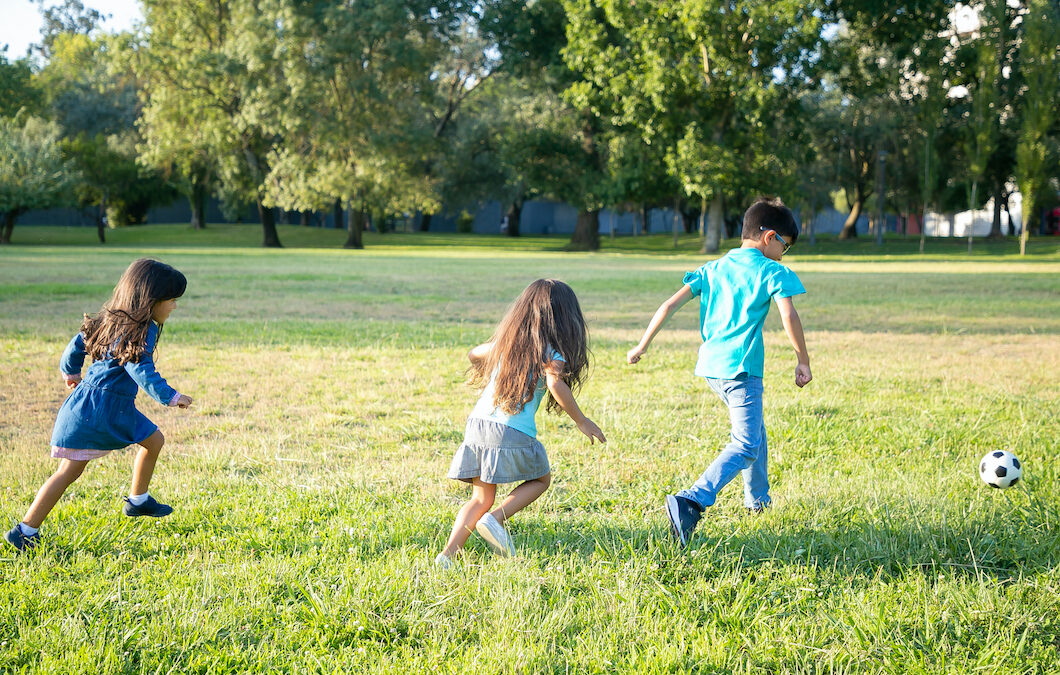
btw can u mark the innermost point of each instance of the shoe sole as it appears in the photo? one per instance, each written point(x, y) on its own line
point(147, 515)
point(673, 514)
point(498, 546)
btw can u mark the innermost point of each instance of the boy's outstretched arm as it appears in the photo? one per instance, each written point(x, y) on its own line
point(674, 303)
point(562, 393)
point(793, 327)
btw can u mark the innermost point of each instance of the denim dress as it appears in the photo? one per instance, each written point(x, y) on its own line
point(101, 413)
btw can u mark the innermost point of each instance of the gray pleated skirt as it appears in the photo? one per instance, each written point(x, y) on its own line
point(496, 453)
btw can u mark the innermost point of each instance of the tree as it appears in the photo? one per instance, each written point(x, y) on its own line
point(1041, 72)
point(700, 80)
point(206, 64)
point(33, 173)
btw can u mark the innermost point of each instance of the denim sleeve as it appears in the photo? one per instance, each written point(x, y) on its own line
point(144, 374)
point(73, 357)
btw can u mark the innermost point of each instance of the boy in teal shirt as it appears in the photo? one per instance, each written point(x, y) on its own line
point(734, 293)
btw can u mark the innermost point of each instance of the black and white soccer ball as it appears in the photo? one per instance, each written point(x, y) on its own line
point(1000, 469)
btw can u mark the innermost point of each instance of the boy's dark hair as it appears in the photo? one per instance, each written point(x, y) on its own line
point(769, 213)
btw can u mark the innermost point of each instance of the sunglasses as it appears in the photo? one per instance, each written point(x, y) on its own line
point(783, 243)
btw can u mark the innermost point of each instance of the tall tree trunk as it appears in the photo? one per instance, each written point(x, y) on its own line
point(715, 221)
point(7, 226)
point(337, 210)
point(354, 239)
point(197, 199)
point(101, 220)
point(995, 225)
point(268, 227)
point(425, 222)
point(586, 235)
point(850, 226)
point(515, 214)
point(645, 219)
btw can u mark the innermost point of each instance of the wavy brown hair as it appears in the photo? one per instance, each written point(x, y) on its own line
point(544, 317)
point(119, 330)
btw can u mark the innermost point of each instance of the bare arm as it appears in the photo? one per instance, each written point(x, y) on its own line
point(562, 393)
point(793, 327)
point(674, 303)
point(479, 353)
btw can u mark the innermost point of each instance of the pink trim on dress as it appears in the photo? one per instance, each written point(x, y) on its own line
point(78, 455)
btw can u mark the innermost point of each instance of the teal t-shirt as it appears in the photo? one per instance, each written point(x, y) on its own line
point(734, 293)
point(521, 421)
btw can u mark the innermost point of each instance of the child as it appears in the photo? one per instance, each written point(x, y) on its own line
point(541, 343)
point(734, 299)
point(100, 416)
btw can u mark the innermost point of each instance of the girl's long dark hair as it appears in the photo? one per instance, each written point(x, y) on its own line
point(544, 317)
point(119, 330)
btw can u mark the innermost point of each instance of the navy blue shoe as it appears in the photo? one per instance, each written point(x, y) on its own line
point(152, 507)
point(19, 540)
point(684, 515)
point(755, 510)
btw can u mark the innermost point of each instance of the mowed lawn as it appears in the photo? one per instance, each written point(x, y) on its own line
point(309, 476)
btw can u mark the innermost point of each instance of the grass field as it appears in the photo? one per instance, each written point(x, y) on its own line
point(311, 498)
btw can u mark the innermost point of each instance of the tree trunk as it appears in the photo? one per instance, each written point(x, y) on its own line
point(995, 225)
point(101, 220)
point(337, 210)
point(7, 225)
point(715, 221)
point(586, 235)
point(515, 214)
point(304, 219)
point(354, 239)
point(850, 226)
point(425, 222)
point(268, 227)
point(197, 198)
point(645, 219)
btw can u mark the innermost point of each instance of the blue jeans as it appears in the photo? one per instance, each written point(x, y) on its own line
point(746, 450)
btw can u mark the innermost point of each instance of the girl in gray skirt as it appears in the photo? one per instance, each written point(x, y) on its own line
point(540, 346)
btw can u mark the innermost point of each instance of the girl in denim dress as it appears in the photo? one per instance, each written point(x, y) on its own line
point(540, 347)
point(100, 415)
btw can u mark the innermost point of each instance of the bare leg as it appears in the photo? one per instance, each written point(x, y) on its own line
point(522, 496)
point(482, 497)
point(144, 464)
point(48, 496)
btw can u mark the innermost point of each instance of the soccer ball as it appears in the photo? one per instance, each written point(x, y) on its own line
point(1000, 469)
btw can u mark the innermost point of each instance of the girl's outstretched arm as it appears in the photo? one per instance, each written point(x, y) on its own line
point(562, 393)
point(674, 303)
point(479, 353)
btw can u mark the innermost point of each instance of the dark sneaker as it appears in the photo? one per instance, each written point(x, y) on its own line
point(152, 507)
point(755, 510)
point(684, 515)
point(19, 540)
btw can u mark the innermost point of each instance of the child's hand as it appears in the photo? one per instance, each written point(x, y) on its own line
point(589, 428)
point(633, 355)
point(802, 375)
point(72, 380)
point(183, 401)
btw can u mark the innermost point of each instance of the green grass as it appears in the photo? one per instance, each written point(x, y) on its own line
point(309, 481)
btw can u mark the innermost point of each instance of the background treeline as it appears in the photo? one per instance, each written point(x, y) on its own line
point(369, 108)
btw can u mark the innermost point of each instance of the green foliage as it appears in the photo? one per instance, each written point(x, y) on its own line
point(17, 89)
point(1042, 74)
point(33, 171)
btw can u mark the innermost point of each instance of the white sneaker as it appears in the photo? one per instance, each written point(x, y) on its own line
point(495, 535)
point(444, 562)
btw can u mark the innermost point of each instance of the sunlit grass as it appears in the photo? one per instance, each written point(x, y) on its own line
point(309, 476)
